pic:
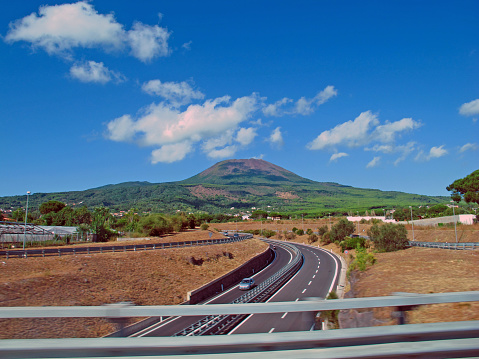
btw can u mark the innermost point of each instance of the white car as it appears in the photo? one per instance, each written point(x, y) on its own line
point(246, 284)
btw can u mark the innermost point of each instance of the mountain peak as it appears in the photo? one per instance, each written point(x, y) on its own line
point(243, 171)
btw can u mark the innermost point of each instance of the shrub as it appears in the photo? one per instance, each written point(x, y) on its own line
point(204, 226)
point(309, 231)
point(389, 237)
point(352, 243)
point(322, 230)
point(341, 229)
point(299, 232)
point(361, 261)
point(294, 230)
point(326, 238)
point(290, 235)
point(155, 225)
point(312, 238)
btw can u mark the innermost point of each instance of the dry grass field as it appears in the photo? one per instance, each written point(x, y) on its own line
point(160, 277)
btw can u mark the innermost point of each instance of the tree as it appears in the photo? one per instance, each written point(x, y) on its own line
point(18, 215)
point(389, 237)
point(155, 225)
point(341, 229)
point(259, 214)
point(98, 224)
point(467, 188)
point(51, 206)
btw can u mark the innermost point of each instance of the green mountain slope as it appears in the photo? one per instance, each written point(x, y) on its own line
point(231, 186)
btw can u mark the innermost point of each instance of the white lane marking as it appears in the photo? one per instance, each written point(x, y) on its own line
point(272, 330)
point(316, 271)
point(310, 282)
point(284, 315)
point(303, 291)
point(296, 299)
point(279, 290)
point(314, 276)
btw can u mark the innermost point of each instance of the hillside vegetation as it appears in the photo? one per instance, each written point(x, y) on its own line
point(230, 187)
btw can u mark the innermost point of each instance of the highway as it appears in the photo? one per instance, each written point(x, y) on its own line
point(316, 278)
point(176, 324)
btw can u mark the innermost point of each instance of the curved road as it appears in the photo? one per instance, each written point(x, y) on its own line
point(176, 324)
point(316, 278)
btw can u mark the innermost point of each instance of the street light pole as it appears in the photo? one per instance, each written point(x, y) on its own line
point(454, 218)
point(412, 222)
point(25, 229)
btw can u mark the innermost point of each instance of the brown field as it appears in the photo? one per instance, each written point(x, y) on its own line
point(159, 277)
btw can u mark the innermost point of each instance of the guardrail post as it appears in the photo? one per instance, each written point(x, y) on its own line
point(43, 253)
point(59, 252)
point(74, 251)
point(113, 249)
point(134, 248)
point(101, 249)
point(7, 254)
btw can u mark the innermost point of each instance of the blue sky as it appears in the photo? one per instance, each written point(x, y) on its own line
point(373, 94)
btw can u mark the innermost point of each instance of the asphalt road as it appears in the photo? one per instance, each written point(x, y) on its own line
point(317, 277)
point(176, 324)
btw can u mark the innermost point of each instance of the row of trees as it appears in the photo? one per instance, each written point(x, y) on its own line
point(104, 225)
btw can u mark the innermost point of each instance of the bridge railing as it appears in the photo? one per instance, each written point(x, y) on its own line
point(438, 340)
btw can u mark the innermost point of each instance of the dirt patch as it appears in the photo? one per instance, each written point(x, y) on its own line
point(206, 192)
point(422, 270)
point(286, 195)
point(160, 277)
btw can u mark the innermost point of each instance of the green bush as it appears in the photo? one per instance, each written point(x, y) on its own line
point(341, 229)
point(352, 243)
point(389, 237)
point(299, 232)
point(204, 226)
point(362, 260)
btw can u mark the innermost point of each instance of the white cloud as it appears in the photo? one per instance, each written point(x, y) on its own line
point(148, 42)
point(58, 29)
point(374, 162)
point(468, 147)
point(246, 135)
point(120, 129)
point(351, 133)
point(161, 125)
point(402, 150)
point(470, 108)
point(276, 137)
point(303, 106)
point(225, 152)
point(177, 93)
point(434, 152)
point(187, 45)
point(275, 108)
point(92, 71)
point(306, 106)
point(213, 143)
point(387, 132)
point(336, 156)
point(171, 152)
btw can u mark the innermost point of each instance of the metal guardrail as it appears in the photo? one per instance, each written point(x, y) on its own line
point(313, 305)
point(221, 323)
point(117, 248)
point(456, 246)
point(437, 340)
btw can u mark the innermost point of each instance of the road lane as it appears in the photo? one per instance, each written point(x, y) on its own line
point(176, 324)
point(316, 278)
